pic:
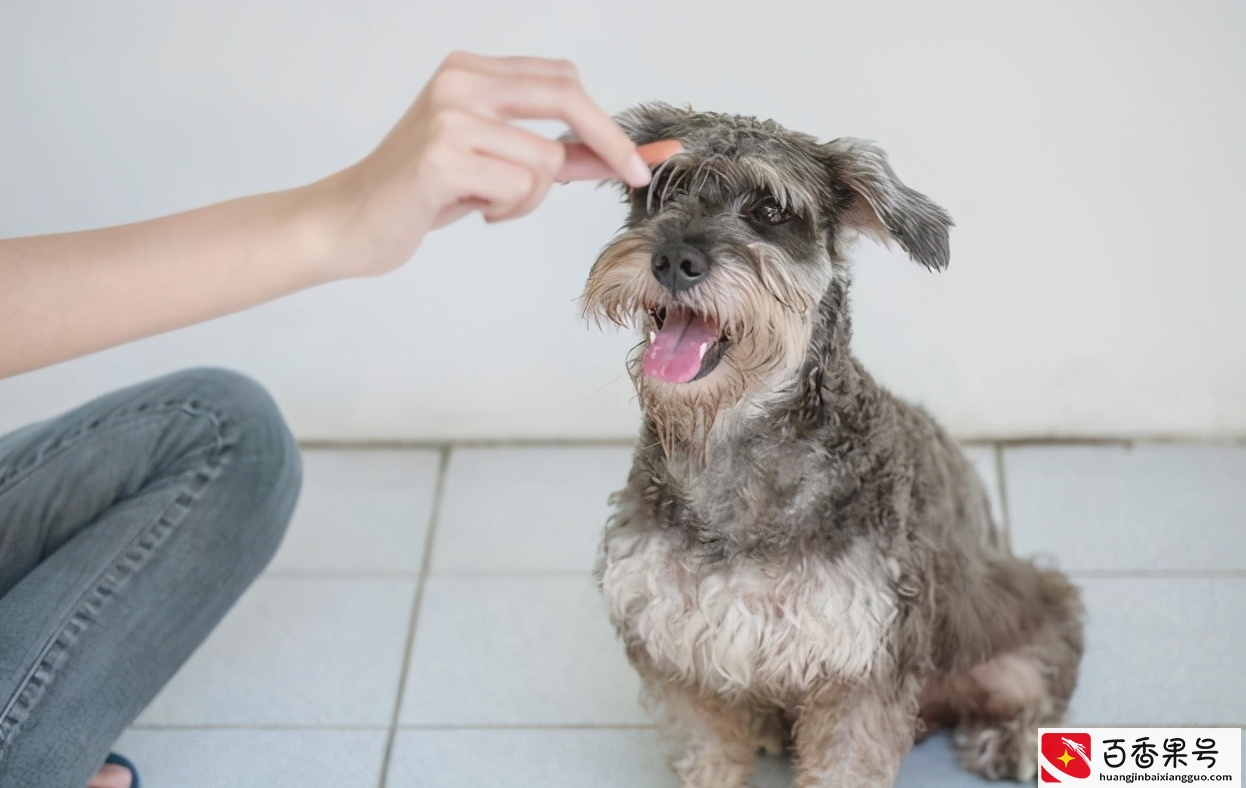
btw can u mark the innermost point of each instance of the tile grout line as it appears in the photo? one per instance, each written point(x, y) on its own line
point(521, 726)
point(1172, 574)
point(1005, 513)
point(417, 444)
point(339, 574)
point(1006, 441)
point(276, 726)
point(536, 726)
point(476, 574)
point(443, 469)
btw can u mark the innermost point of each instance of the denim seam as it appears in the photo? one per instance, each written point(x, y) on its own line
point(128, 560)
point(23, 468)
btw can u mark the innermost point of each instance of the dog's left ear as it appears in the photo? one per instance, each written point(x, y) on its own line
point(885, 208)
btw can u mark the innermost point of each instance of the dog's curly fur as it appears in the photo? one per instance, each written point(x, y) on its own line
point(800, 559)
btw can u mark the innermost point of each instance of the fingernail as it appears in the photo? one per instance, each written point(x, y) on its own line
point(638, 171)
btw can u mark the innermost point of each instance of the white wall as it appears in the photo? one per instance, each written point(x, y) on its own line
point(1091, 154)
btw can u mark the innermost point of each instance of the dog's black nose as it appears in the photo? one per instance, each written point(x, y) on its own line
point(679, 266)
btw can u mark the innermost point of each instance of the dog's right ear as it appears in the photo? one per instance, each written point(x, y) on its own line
point(653, 121)
point(885, 208)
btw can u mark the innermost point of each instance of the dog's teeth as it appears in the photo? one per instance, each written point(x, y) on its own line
point(704, 347)
point(652, 336)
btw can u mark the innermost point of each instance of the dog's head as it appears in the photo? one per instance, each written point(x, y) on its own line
point(728, 254)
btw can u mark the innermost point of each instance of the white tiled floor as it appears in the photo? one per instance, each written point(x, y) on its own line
point(512, 677)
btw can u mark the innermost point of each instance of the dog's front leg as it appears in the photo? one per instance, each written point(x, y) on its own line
point(718, 746)
point(856, 738)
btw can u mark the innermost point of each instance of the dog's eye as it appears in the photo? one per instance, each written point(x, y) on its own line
point(768, 211)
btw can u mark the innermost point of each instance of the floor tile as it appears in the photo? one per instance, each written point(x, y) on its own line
point(240, 758)
point(932, 764)
point(772, 771)
point(517, 650)
point(361, 511)
point(529, 758)
point(1163, 651)
point(1147, 507)
point(984, 462)
point(534, 509)
point(602, 758)
point(296, 652)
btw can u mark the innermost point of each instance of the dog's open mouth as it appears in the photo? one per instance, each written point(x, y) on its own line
point(687, 346)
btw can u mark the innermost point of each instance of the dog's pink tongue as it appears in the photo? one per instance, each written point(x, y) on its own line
point(675, 353)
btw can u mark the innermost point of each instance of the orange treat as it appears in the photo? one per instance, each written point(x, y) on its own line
point(660, 151)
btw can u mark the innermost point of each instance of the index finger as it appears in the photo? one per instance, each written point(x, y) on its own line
point(547, 98)
point(529, 66)
point(598, 131)
point(582, 164)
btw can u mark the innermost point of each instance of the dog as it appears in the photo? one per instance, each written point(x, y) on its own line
point(800, 560)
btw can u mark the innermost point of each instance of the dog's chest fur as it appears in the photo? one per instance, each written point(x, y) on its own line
point(763, 624)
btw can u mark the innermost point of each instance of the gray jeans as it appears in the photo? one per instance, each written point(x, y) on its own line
point(128, 528)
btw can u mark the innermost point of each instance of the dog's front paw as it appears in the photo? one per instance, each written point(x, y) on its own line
point(998, 752)
point(701, 770)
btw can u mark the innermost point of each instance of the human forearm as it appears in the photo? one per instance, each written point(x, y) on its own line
point(66, 295)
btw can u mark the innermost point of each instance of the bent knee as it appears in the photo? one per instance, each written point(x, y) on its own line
point(261, 463)
point(221, 390)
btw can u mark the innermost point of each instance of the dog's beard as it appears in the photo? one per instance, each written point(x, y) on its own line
point(760, 303)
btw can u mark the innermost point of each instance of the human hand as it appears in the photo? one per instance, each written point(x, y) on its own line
point(456, 151)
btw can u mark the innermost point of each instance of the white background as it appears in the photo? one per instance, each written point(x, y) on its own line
point(1091, 154)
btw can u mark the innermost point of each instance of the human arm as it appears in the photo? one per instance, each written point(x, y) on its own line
point(453, 152)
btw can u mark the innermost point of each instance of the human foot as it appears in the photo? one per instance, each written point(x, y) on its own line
point(111, 776)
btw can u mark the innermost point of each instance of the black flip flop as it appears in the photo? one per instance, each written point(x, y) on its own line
point(124, 763)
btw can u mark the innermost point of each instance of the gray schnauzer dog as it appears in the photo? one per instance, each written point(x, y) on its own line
point(800, 560)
